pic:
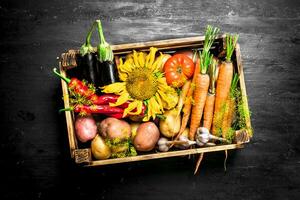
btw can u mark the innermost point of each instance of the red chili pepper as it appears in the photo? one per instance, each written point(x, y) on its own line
point(104, 99)
point(116, 115)
point(78, 86)
point(94, 109)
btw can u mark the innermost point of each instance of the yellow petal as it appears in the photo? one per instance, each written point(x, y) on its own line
point(135, 59)
point(141, 58)
point(116, 88)
point(138, 108)
point(130, 107)
point(154, 107)
point(168, 94)
point(121, 100)
point(156, 64)
point(151, 57)
point(158, 99)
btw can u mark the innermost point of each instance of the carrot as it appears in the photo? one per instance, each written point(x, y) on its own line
point(200, 92)
point(183, 94)
point(223, 85)
point(210, 99)
point(188, 101)
point(230, 107)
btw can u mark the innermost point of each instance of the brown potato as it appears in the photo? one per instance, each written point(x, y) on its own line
point(146, 137)
point(99, 148)
point(113, 128)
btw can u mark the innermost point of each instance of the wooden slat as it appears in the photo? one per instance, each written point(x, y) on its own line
point(165, 154)
point(69, 118)
point(243, 88)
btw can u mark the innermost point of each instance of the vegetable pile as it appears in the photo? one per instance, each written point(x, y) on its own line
point(155, 101)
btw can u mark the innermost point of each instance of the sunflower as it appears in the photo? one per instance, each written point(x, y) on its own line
point(143, 83)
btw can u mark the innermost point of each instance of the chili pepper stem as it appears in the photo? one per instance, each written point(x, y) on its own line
point(65, 109)
point(67, 80)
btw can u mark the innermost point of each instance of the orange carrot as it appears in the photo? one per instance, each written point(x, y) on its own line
point(223, 85)
point(229, 108)
point(188, 101)
point(200, 93)
point(184, 91)
point(210, 99)
point(209, 110)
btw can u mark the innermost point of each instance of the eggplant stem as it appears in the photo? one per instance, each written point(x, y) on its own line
point(100, 32)
point(89, 35)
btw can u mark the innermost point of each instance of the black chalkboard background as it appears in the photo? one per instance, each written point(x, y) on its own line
point(35, 161)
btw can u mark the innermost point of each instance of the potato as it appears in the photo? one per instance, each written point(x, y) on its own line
point(85, 128)
point(99, 148)
point(171, 125)
point(134, 127)
point(113, 128)
point(146, 137)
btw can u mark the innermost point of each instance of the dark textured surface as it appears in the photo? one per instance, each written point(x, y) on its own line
point(34, 152)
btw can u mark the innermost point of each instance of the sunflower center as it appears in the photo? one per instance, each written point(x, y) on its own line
point(141, 84)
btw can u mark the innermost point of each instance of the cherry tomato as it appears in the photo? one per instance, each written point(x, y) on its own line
point(178, 69)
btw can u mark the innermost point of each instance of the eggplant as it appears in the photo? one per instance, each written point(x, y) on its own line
point(88, 61)
point(89, 69)
point(108, 73)
point(106, 65)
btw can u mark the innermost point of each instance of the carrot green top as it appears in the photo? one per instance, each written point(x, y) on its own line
point(231, 41)
point(205, 61)
point(205, 57)
point(210, 36)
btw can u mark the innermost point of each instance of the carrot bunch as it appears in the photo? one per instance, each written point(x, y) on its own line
point(201, 81)
point(223, 85)
point(197, 85)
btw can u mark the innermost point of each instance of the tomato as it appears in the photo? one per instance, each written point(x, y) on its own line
point(189, 53)
point(178, 69)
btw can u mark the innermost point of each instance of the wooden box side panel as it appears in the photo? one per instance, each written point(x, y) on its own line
point(243, 89)
point(69, 115)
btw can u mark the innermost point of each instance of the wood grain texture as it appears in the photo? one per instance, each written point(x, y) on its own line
point(35, 162)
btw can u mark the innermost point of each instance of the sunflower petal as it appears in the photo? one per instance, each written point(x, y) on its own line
point(121, 100)
point(130, 107)
point(116, 88)
point(154, 107)
point(151, 57)
point(158, 99)
point(138, 108)
point(135, 59)
point(168, 95)
point(141, 58)
point(156, 64)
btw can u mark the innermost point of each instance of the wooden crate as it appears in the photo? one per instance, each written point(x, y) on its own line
point(84, 157)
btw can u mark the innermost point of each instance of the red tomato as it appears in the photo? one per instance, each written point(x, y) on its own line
point(178, 69)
